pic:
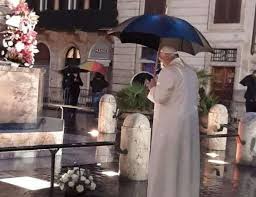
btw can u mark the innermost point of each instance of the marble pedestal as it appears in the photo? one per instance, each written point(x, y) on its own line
point(21, 97)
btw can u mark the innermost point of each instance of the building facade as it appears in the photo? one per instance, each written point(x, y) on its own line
point(228, 25)
point(69, 29)
point(72, 32)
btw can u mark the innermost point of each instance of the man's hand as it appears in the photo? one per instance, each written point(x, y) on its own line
point(150, 84)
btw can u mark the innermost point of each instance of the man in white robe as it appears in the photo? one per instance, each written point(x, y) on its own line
point(174, 167)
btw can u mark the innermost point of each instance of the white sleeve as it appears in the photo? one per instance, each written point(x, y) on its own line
point(161, 93)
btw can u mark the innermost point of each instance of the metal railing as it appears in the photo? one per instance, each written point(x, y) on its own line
point(55, 96)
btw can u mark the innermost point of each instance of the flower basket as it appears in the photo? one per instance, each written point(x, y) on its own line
point(73, 194)
point(76, 182)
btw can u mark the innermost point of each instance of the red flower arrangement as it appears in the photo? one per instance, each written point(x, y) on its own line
point(19, 41)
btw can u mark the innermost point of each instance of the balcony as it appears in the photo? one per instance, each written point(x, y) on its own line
point(70, 15)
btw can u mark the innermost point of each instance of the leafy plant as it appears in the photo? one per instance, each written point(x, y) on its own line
point(203, 78)
point(206, 102)
point(134, 98)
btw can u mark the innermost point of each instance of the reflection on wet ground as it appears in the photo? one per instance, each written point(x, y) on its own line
point(217, 179)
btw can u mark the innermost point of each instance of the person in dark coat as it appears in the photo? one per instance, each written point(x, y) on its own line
point(98, 84)
point(75, 89)
point(250, 95)
point(67, 82)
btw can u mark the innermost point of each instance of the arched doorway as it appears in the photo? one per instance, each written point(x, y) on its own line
point(42, 60)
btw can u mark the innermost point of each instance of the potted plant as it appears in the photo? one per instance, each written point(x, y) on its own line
point(206, 101)
point(203, 77)
point(133, 99)
point(205, 104)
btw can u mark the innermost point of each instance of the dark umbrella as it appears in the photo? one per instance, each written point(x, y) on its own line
point(154, 30)
point(72, 69)
point(141, 77)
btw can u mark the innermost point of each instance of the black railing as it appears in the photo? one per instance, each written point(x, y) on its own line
point(55, 96)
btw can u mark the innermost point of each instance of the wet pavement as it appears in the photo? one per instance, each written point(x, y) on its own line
point(217, 180)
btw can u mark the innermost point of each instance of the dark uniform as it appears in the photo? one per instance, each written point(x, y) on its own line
point(250, 94)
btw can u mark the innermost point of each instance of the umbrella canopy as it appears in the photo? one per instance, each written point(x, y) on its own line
point(94, 67)
point(71, 69)
point(156, 30)
point(141, 77)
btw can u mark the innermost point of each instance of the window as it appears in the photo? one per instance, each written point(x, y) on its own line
point(148, 58)
point(50, 4)
point(148, 53)
point(41, 5)
point(227, 11)
point(73, 56)
point(63, 4)
point(224, 55)
point(155, 6)
point(80, 4)
point(71, 4)
point(95, 4)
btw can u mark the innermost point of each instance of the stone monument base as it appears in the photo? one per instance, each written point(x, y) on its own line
point(21, 97)
point(50, 131)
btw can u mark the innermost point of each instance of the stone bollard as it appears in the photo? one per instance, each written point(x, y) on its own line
point(246, 152)
point(135, 138)
point(218, 115)
point(105, 154)
point(107, 110)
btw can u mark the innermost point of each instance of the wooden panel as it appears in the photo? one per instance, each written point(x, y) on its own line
point(222, 83)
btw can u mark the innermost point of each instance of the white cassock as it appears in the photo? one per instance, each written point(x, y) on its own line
point(174, 167)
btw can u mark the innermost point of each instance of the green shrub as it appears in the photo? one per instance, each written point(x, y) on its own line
point(133, 98)
point(206, 102)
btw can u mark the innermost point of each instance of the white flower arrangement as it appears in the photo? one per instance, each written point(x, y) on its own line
point(19, 40)
point(77, 180)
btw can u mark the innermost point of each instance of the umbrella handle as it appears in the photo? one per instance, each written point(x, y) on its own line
point(156, 62)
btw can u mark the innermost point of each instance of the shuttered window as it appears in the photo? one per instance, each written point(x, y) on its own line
point(227, 11)
point(155, 6)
